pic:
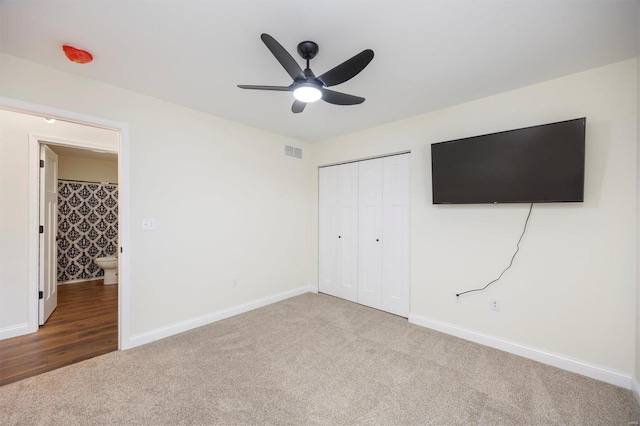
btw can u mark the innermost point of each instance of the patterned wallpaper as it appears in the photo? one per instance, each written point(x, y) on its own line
point(87, 228)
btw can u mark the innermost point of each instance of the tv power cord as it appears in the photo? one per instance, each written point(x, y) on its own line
point(512, 257)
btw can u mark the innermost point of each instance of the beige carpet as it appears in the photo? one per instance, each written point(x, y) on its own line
point(313, 359)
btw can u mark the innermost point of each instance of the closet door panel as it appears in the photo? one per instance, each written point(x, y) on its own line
point(347, 285)
point(328, 230)
point(395, 212)
point(370, 233)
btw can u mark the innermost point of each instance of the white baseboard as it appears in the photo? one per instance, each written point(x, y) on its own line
point(635, 388)
point(181, 327)
point(545, 357)
point(84, 280)
point(14, 331)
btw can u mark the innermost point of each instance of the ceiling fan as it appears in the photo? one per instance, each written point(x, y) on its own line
point(306, 87)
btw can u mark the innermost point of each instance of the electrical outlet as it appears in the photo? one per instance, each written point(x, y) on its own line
point(148, 224)
point(494, 305)
point(234, 283)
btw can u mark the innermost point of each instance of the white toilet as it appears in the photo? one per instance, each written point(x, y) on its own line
point(110, 266)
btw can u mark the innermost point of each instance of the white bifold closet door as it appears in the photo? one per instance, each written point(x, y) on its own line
point(338, 231)
point(395, 234)
point(370, 230)
point(376, 226)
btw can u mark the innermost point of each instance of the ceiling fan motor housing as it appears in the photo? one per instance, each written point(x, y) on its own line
point(308, 49)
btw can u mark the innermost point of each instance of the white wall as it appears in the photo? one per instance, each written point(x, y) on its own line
point(227, 202)
point(571, 290)
point(14, 194)
point(87, 169)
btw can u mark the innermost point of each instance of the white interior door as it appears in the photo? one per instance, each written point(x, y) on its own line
point(328, 230)
point(370, 233)
point(347, 287)
point(338, 231)
point(395, 234)
point(49, 223)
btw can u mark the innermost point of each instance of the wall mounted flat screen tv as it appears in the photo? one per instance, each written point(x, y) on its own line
point(539, 164)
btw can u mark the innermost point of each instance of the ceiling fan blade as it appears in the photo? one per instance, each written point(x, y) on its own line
point(348, 69)
point(338, 98)
point(298, 106)
point(278, 88)
point(285, 59)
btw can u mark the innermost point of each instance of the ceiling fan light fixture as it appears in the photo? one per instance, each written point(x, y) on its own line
point(306, 87)
point(307, 93)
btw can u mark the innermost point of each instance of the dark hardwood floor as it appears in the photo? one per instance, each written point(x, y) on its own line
point(84, 325)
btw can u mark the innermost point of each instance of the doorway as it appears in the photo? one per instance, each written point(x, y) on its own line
point(25, 299)
point(78, 195)
point(79, 139)
point(104, 142)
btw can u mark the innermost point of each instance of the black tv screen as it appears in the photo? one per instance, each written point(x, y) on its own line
point(539, 164)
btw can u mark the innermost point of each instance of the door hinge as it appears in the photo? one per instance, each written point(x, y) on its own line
point(41, 163)
point(120, 249)
point(40, 295)
point(41, 229)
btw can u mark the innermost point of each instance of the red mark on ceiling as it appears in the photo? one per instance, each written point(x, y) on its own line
point(77, 55)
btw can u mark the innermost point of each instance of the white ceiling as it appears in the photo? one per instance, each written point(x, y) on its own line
point(428, 54)
point(68, 151)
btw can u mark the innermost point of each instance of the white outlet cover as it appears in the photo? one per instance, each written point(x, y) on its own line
point(148, 224)
point(494, 305)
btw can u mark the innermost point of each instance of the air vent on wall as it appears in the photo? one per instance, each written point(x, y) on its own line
point(292, 151)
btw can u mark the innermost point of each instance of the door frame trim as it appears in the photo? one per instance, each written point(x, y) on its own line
point(33, 203)
point(374, 157)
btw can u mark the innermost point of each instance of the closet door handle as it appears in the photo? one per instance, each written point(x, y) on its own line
point(339, 236)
